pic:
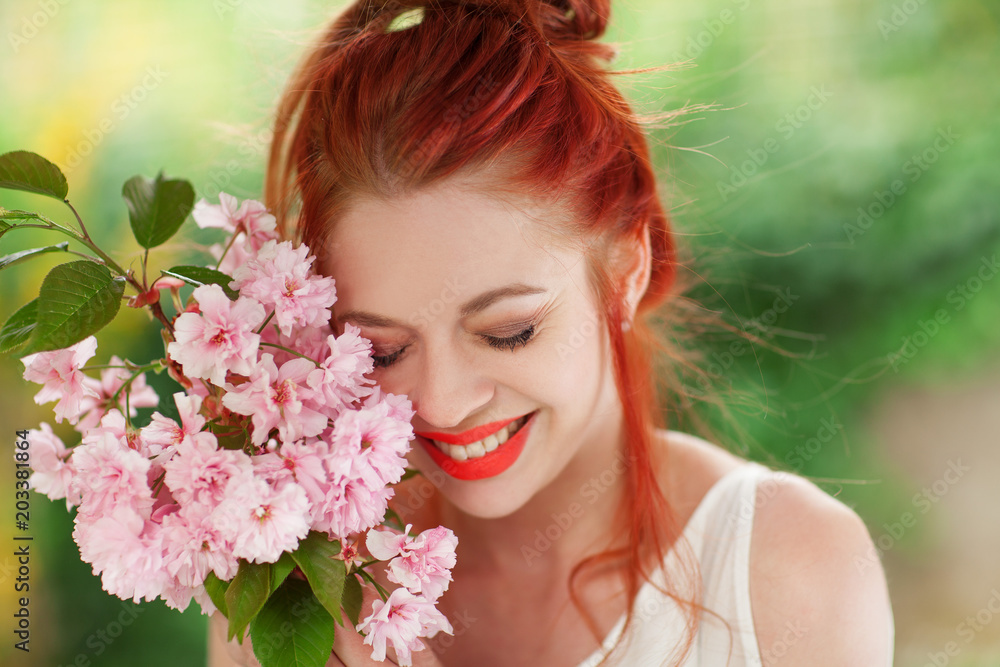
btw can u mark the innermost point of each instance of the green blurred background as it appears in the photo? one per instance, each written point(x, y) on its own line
point(841, 201)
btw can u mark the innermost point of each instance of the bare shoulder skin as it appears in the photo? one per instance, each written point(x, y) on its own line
point(811, 603)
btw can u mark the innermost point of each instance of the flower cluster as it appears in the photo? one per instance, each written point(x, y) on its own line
point(278, 432)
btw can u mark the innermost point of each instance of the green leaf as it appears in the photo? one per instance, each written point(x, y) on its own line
point(76, 300)
point(157, 207)
point(246, 594)
point(315, 556)
point(200, 275)
point(16, 214)
point(216, 589)
point(16, 257)
point(30, 172)
point(281, 570)
point(19, 326)
point(293, 629)
point(352, 599)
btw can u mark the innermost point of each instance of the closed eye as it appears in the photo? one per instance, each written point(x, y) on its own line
point(497, 342)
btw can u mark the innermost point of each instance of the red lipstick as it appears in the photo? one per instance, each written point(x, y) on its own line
point(470, 436)
point(490, 465)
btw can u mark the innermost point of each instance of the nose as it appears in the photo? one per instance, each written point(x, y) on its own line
point(448, 389)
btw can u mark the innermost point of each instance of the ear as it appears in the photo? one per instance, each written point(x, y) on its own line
point(639, 263)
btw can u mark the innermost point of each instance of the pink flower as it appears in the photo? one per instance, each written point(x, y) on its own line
point(140, 395)
point(422, 564)
point(251, 219)
point(356, 498)
point(110, 475)
point(383, 442)
point(263, 522)
point(397, 407)
point(52, 474)
point(59, 374)
point(200, 472)
point(178, 596)
point(125, 549)
point(162, 435)
point(400, 621)
point(193, 547)
point(275, 399)
point(308, 341)
point(218, 340)
point(297, 462)
point(279, 278)
point(340, 378)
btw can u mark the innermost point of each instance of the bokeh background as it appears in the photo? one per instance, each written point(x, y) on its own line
point(840, 197)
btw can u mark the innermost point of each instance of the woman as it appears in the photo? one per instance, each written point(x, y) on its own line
point(484, 199)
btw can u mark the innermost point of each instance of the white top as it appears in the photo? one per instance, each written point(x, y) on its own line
point(718, 533)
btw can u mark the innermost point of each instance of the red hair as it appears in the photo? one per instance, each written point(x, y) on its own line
point(512, 90)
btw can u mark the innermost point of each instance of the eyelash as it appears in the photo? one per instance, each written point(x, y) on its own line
point(500, 343)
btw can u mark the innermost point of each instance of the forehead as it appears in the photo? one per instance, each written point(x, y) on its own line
point(394, 256)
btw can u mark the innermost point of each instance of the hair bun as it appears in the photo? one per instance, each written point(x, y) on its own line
point(562, 19)
point(575, 19)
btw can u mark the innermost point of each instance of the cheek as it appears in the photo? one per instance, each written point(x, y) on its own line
point(570, 367)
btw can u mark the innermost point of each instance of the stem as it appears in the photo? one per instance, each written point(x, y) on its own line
point(232, 240)
point(158, 483)
point(297, 354)
point(139, 371)
point(265, 322)
point(384, 594)
point(79, 220)
point(128, 419)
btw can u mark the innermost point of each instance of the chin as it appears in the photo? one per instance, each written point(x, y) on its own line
point(490, 498)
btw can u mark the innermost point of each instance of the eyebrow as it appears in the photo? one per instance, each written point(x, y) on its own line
point(470, 307)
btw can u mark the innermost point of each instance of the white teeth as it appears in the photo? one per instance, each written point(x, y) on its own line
point(492, 442)
point(484, 446)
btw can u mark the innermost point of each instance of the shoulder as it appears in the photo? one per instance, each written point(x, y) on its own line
point(689, 467)
point(816, 593)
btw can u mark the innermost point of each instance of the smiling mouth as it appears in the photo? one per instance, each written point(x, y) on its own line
point(481, 448)
point(485, 458)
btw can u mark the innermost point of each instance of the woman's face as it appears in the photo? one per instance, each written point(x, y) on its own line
point(478, 321)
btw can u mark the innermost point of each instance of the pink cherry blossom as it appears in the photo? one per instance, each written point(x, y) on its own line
point(400, 621)
point(279, 278)
point(340, 378)
point(140, 395)
point(163, 434)
point(397, 407)
point(300, 462)
point(276, 399)
point(250, 219)
point(220, 338)
point(421, 564)
point(109, 474)
point(59, 374)
point(193, 547)
point(263, 522)
point(125, 549)
point(52, 474)
point(307, 341)
point(383, 442)
point(352, 503)
point(200, 472)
